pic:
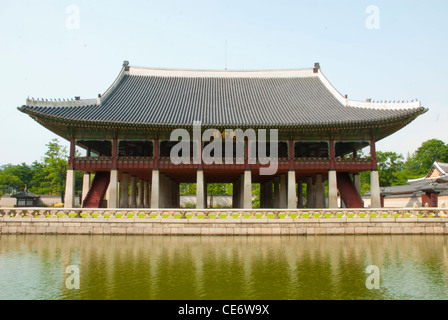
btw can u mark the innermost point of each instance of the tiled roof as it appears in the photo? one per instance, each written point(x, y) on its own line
point(282, 98)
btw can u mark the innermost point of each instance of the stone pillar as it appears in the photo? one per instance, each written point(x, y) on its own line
point(309, 192)
point(112, 201)
point(332, 189)
point(357, 182)
point(292, 189)
point(247, 193)
point(124, 191)
point(85, 185)
point(241, 191)
point(133, 196)
point(300, 194)
point(177, 195)
point(163, 199)
point(140, 195)
point(276, 192)
point(283, 191)
point(375, 193)
point(235, 194)
point(268, 194)
point(200, 190)
point(69, 200)
point(155, 188)
point(262, 195)
point(313, 194)
point(149, 193)
point(320, 202)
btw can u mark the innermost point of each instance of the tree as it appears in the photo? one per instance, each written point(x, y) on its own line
point(55, 167)
point(390, 165)
point(9, 183)
point(421, 161)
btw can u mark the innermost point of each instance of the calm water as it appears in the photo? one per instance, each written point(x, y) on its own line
point(253, 267)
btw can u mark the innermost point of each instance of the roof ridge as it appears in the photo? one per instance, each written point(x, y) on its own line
point(255, 73)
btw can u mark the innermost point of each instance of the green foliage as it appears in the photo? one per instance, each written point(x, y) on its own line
point(41, 177)
point(390, 165)
point(429, 152)
point(256, 193)
point(55, 167)
point(394, 170)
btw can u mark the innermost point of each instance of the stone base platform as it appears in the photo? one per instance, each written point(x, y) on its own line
point(263, 226)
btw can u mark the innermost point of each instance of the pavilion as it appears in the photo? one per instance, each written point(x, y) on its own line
point(126, 134)
point(424, 191)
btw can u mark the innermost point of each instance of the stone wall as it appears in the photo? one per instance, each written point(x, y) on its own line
point(44, 201)
point(235, 222)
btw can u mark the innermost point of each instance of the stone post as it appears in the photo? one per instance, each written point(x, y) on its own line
point(320, 202)
point(300, 194)
point(292, 189)
point(200, 190)
point(85, 185)
point(112, 201)
point(155, 188)
point(140, 195)
point(133, 196)
point(309, 192)
point(247, 192)
point(332, 189)
point(375, 193)
point(124, 192)
point(276, 192)
point(269, 194)
point(283, 191)
point(69, 200)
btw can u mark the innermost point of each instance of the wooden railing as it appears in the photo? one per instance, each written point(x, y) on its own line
point(127, 162)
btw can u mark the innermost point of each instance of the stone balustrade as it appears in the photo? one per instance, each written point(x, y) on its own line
point(292, 214)
point(223, 221)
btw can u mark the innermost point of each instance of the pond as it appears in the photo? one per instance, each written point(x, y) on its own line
point(55, 267)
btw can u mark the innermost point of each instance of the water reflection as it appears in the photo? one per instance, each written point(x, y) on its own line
point(254, 267)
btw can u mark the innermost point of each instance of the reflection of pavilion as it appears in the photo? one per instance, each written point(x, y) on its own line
point(126, 132)
point(425, 191)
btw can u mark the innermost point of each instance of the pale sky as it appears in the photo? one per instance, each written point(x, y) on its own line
point(48, 51)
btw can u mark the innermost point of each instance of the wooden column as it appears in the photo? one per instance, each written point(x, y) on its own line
point(71, 159)
point(291, 154)
point(375, 191)
point(69, 199)
point(156, 153)
point(114, 153)
point(332, 154)
point(373, 154)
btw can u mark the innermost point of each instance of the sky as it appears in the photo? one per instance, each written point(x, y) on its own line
point(384, 50)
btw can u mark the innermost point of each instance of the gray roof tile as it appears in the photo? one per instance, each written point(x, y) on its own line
point(298, 98)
